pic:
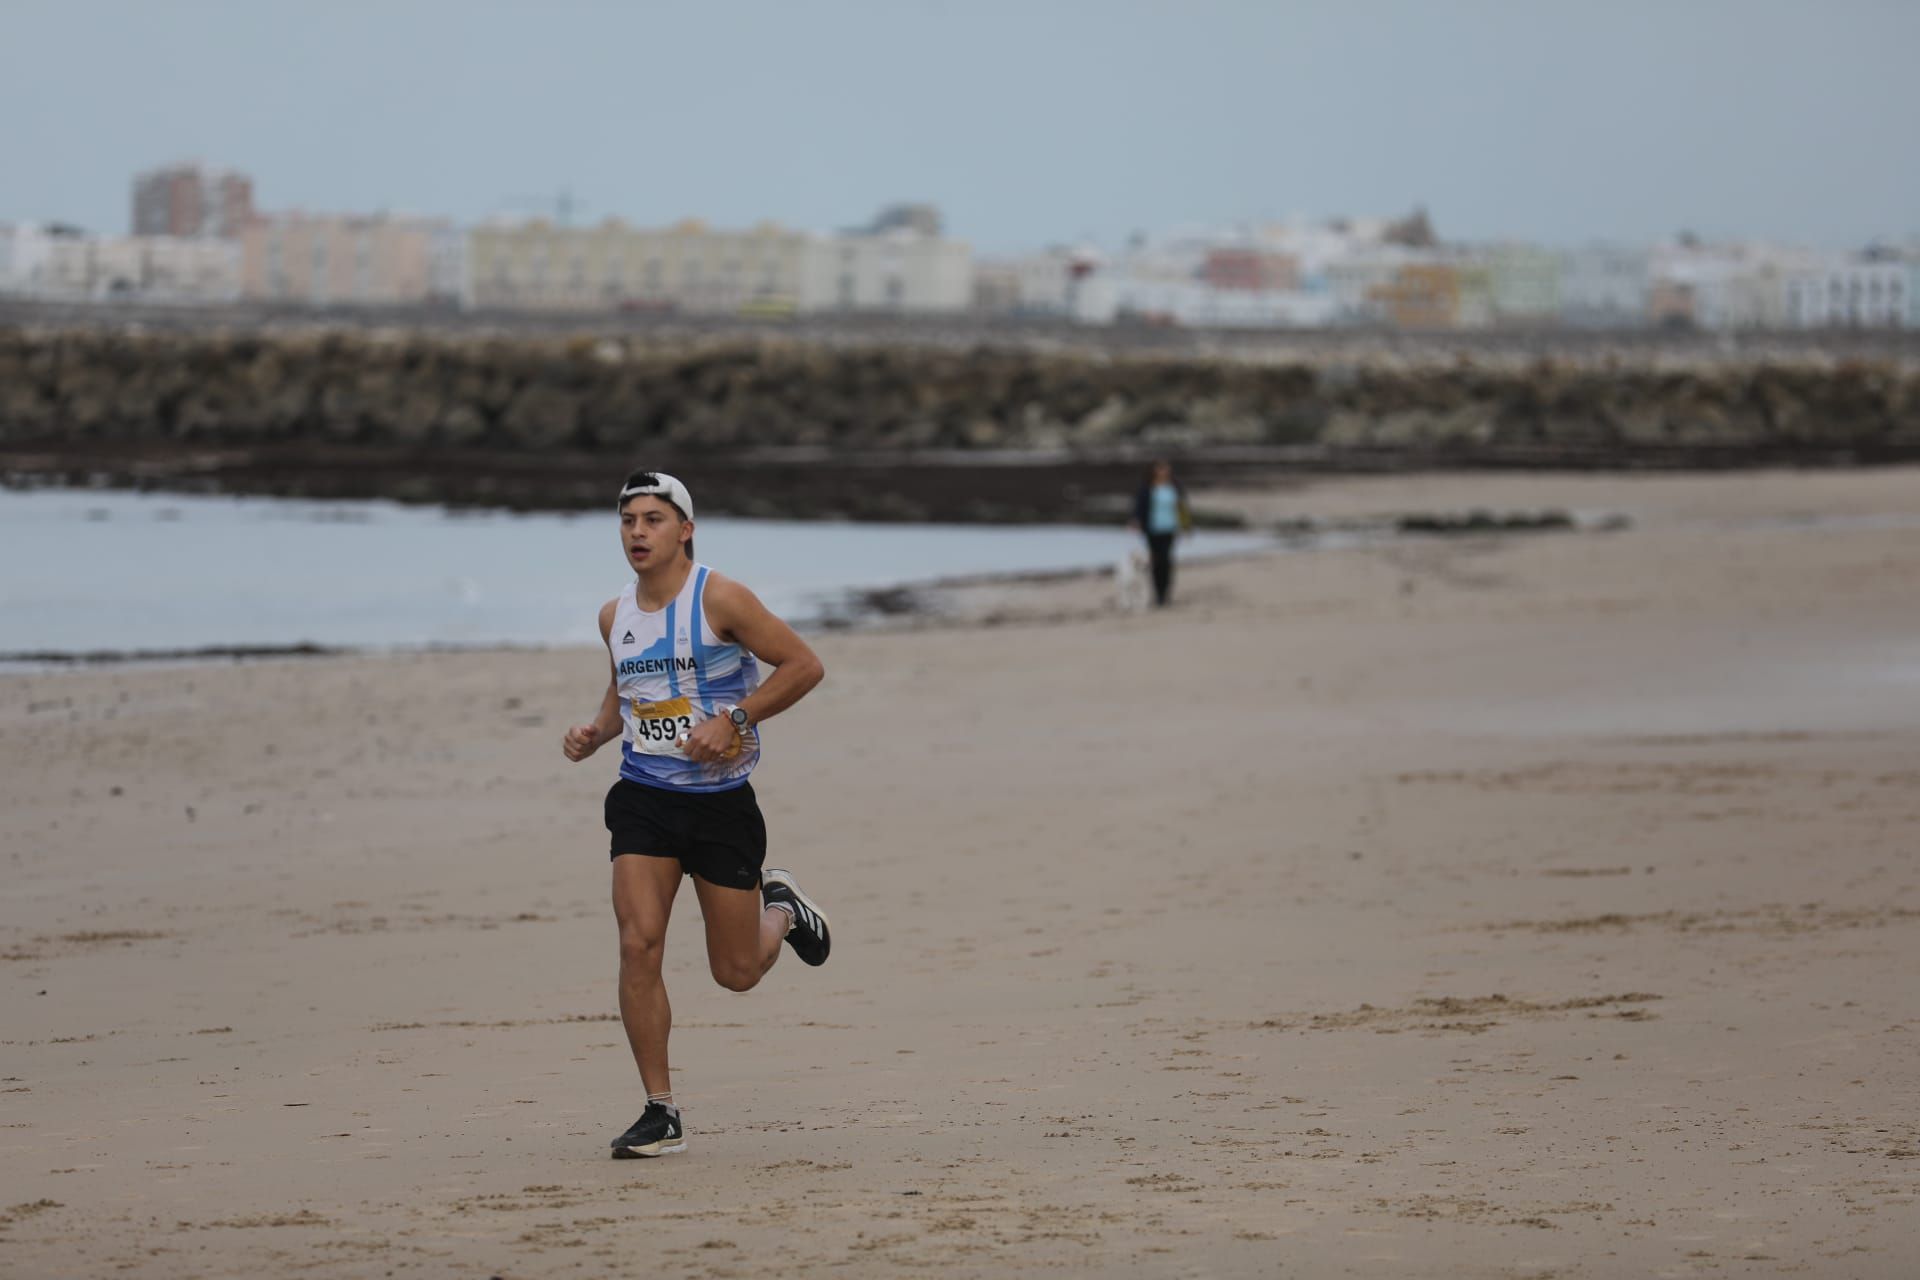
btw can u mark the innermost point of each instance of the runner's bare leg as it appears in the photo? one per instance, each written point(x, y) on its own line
point(743, 936)
point(643, 892)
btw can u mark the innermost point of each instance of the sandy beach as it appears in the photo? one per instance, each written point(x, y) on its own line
point(1524, 907)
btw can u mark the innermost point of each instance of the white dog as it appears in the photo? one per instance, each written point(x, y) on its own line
point(1130, 587)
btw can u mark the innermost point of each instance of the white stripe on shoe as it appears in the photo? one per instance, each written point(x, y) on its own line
point(818, 921)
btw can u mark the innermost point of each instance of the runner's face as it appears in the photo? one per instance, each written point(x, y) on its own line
point(651, 531)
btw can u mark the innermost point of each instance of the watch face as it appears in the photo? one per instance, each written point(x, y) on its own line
point(738, 716)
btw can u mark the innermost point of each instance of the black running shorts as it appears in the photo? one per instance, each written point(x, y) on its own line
point(717, 835)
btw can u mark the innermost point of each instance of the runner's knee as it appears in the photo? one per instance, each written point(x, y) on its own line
point(735, 975)
point(641, 950)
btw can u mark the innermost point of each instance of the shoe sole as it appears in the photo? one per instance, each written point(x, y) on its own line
point(649, 1151)
point(785, 880)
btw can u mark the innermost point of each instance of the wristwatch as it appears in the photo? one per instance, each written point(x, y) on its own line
point(739, 717)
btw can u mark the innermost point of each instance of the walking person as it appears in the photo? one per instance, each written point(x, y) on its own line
point(1160, 512)
point(685, 699)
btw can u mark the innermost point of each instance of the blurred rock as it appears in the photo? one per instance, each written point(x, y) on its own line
point(1328, 401)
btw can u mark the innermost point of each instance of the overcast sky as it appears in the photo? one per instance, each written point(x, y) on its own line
point(1028, 122)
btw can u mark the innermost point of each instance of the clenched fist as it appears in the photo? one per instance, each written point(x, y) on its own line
point(580, 742)
point(711, 740)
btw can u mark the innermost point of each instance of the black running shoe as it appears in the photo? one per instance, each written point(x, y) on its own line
point(657, 1132)
point(809, 937)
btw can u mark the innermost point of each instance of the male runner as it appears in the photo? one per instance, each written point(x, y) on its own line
point(686, 697)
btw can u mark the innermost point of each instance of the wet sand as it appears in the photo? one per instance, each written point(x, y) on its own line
point(1521, 907)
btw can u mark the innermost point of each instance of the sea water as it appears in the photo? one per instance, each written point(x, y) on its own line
point(92, 570)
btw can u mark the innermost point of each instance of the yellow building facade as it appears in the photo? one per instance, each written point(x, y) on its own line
point(1421, 295)
point(689, 267)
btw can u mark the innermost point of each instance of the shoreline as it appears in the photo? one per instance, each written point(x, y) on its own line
point(1039, 486)
point(1418, 513)
point(952, 601)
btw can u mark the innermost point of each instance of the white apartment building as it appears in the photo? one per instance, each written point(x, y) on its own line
point(448, 280)
point(1604, 286)
point(1272, 275)
point(1729, 287)
point(1851, 295)
point(25, 250)
point(65, 265)
point(1035, 284)
point(1316, 246)
point(1288, 274)
point(899, 270)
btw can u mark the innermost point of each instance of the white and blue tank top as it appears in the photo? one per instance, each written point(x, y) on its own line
point(672, 672)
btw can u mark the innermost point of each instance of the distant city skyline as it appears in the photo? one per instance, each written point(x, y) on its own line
point(1026, 125)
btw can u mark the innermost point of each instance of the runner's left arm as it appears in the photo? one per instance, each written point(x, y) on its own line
point(737, 615)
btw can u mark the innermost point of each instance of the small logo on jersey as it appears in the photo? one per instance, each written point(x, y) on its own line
point(627, 638)
point(683, 637)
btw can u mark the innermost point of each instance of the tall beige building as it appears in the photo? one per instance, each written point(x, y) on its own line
point(347, 260)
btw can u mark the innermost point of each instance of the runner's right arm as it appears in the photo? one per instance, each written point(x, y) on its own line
point(583, 740)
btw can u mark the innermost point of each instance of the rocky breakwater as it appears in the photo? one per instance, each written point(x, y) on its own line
point(539, 421)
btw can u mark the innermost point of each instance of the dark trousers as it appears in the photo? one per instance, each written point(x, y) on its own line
point(1160, 550)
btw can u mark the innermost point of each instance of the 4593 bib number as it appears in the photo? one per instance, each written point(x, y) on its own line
point(658, 727)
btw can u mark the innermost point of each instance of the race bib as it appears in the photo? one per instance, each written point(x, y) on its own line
point(658, 727)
